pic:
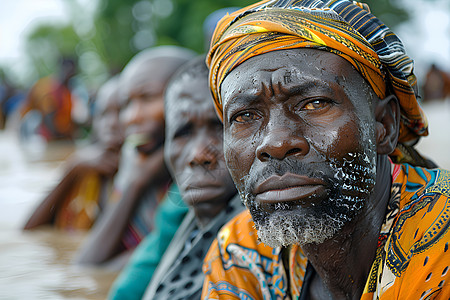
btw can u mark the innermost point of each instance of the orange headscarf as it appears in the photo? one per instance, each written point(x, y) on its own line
point(338, 26)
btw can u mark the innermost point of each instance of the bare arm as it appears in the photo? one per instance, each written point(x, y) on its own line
point(103, 242)
point(103, 162)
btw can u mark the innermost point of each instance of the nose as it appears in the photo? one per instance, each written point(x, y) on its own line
point(204, 155)
point(281, 141)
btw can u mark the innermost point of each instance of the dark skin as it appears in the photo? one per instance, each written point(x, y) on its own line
point(306, 106)
point(142, 87)
point(193, 149)
point(101, 157)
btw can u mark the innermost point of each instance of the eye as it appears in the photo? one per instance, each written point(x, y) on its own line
point(245, 117)
point(183, 131)
point(316, 104)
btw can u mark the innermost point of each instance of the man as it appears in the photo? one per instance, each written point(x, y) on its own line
point(83, 192)
point(143, 179)
point(314, 96)
point(49, 103)
point(194, 156)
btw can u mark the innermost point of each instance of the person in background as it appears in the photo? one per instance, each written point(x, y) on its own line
point(194, 155)
point(320, 112)
point(437, 84)
point(47, 110)
point(83, 192)
point(143, 180)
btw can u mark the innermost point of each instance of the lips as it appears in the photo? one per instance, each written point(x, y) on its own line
point(286, 188)
point(202, 185)
point(199, 192)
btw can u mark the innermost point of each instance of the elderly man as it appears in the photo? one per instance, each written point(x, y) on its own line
point(194, 155)
point(314, 96)
point(143, 179)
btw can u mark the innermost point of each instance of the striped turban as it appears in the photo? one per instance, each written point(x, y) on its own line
point(342, 27)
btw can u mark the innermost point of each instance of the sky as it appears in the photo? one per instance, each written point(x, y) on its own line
point(426, 36)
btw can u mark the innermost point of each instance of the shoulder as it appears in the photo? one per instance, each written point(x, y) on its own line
point(418, 250)
point(241, 231)
point(238, 265)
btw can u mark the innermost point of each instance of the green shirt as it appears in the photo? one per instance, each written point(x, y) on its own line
point(134, 278)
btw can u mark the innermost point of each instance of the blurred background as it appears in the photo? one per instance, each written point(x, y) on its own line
point(85, 42)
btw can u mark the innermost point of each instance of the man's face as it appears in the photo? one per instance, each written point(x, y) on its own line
point(299, 143)
point(106, 122)
point(143, 113)
point(193, 148)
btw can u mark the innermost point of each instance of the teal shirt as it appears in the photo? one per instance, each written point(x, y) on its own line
point(134, 278)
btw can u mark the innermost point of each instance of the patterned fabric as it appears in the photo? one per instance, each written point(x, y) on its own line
point(179, 274)
point(342, 27)
point(134, 278)
point(142, 221)
point(81, 206)
point(412, 259)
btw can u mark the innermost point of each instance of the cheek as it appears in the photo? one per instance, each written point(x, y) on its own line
point(154, 110)
point(239, 156)
point(173, 157)
point(337, 140)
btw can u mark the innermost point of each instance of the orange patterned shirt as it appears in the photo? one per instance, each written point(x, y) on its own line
point(412, 259)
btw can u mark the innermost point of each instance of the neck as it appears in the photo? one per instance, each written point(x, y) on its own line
point(343, 262)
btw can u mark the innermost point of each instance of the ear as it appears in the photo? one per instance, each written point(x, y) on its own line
point(387, 117)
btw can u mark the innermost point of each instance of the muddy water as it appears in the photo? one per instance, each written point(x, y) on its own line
point(37, 264)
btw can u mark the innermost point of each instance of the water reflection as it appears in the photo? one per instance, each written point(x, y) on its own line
point(37, 264)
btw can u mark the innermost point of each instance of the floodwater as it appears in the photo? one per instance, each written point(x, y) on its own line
point(437, 144)
point(37, 264)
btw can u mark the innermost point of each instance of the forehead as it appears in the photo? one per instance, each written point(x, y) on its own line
point(291, 69)
point(145, 78)
point(187, 98)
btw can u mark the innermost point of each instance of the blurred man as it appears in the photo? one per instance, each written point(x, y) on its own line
point(83, 192)
point(193, 152)
point(194, 155)
point(143, 179)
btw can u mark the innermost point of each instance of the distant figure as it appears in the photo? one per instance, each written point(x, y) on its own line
point(437, 84)
point(143, 180)
point(47, 110)
point(10, 98)
point(84, 189)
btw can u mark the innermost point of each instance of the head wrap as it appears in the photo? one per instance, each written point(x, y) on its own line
point(342, 27)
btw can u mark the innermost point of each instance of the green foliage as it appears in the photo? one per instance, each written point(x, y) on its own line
point(47, 44)
point(388, 11)
point(185, 24)
point(123, 28)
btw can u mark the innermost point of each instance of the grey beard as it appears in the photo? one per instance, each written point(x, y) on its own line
point(353, 182)
point(284, 228)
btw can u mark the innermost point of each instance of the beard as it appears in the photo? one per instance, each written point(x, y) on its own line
point(349, 182)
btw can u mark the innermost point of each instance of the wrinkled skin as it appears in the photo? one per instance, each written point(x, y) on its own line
point(193, 148)
point(299, 119)
point(306, 142)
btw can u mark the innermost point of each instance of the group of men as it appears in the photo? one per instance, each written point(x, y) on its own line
point(308, 113)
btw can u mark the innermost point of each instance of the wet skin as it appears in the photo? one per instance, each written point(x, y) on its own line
point(143, 112)
point(193, 148)
point(303, 132)
point(296, 112)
